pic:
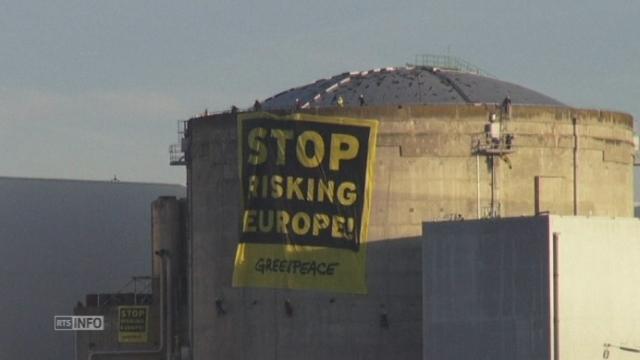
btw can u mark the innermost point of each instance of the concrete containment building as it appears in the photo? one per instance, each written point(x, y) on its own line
point(449, 147)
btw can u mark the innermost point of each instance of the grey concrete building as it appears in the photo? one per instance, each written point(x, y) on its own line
point(544, 287)
point(447, 149)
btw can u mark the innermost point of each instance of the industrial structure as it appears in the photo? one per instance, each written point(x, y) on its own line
point(165, 297)
point(452, 144)
point(62, 239)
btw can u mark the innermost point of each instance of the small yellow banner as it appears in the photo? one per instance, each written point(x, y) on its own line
point(306, 191)
point(133, 324)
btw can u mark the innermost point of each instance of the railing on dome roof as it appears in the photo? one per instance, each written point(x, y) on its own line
point(177, 151)
point(449, 62)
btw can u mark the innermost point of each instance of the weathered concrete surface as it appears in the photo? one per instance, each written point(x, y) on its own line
point(425, 170)
point(489, 288)
point(598, 285)
point(486, 289)
point(168, 235)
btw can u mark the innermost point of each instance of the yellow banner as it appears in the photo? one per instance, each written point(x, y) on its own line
point(133, 324)
point(306, 189)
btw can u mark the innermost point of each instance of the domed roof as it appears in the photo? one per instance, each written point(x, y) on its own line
point(406, 85)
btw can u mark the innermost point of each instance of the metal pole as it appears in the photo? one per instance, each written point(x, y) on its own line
point(575, 166)
point(493, 186)
point(556, 275)
point(189, 237)
point(478, 185)
point(169, 324)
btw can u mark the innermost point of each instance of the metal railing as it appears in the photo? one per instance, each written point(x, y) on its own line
point(449, 62)
point(176, 155)
point(485, 145)
point(177, 151)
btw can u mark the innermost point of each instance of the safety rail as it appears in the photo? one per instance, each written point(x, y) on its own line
point(486, 145)
point(177, 151)
point(449, 62)
point(176, 155)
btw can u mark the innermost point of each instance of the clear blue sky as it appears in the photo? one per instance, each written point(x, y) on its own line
point(90, 89)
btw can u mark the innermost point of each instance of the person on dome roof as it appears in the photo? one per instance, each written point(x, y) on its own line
point(506, 106)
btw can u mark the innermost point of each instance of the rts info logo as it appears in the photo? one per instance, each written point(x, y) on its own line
point(85, 323)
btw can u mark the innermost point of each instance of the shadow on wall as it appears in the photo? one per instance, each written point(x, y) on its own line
point(385, 323)
point(485, 292)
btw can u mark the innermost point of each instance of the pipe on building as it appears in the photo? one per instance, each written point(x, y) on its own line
point(574, 121)
point(556, 275)
point(189, 239)
point(167, 238)
point(495, 210)
point(169, 324)
point(478, 185)
point(161, 345)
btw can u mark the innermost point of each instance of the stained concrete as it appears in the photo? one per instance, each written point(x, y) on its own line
point(486, 289)
point(425, 170)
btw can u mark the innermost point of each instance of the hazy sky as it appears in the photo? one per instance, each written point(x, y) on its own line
point(89, 89)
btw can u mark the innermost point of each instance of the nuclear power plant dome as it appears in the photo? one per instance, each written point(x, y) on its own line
point(418, 85)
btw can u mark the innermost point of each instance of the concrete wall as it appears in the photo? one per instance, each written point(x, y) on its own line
point(255, 324)
point(167, 232)
point(598, 288)
point(489, 288)
point(486, 290)
point(169, 235)
point(431, 147)
point(425, 170)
